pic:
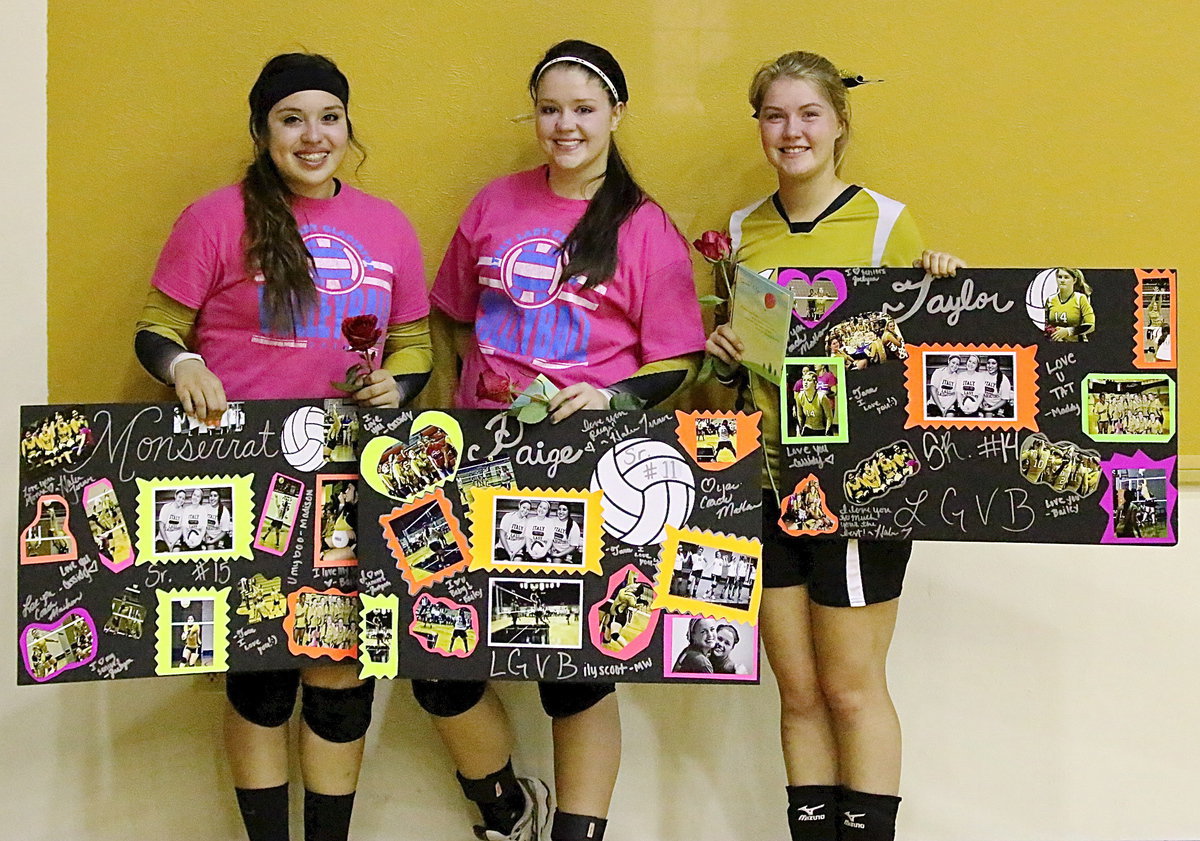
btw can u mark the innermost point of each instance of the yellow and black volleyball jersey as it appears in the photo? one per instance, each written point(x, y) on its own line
point(1075, 312)
point(859, 228)
point(811, 412)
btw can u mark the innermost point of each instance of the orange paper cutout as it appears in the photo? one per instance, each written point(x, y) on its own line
point(741, 441)
point(415, 576)
point(1139, 327)
point(1025, 389)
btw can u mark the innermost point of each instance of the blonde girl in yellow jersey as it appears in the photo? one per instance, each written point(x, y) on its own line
point(829, 606)
point(1069, 315)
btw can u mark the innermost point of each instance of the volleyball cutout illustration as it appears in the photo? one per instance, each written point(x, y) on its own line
point(1042, 287)
point(303, 438)
point(647, 486)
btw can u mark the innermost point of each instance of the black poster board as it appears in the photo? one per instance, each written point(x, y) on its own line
point(150, 545)
point(982, 407)
point(614, 546)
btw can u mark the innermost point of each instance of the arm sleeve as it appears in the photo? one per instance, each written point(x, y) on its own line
point(162, 331)
point(408, 356)
point(904, 244)
point(1087, 316)
point(657, 381)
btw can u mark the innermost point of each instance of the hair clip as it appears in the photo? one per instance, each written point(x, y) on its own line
point(855, 81)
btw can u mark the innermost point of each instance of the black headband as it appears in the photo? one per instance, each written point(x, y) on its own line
point(312, 77)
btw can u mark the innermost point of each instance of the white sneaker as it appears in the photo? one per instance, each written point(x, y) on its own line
point(534, 823)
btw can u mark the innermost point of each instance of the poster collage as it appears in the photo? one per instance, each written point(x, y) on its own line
point(612, 546)
point(1029, 405)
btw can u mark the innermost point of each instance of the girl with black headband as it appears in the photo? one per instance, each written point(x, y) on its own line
point(829, 606)
point(568, 271)
point(248, 300)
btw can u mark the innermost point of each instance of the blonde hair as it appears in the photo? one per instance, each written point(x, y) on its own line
point(818, 71)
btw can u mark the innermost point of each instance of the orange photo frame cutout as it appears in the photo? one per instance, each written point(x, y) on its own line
point(1139, 327)
point(804, 488)
point(745, 436)
point(346, 603)
point(418, 578)
point(1025, 389)
point(59, 544)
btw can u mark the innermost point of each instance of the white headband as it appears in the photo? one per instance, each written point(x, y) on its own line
point(603, 77)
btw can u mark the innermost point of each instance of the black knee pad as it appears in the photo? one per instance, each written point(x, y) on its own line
point(338, 715)
point(448, 698)
point(263, 698)
point(560, 700)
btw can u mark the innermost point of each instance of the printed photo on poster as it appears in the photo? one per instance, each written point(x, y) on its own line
point(870, 338)
point(444, 626)
point(322, 622)
point(535, 613)
point(63, 439)
point(50, 649)
point(192, 629)
point(274, 533)
point(700, 647)
point(1063, 466)
point(1139, 503)
point(426, 540)
point(624, 621)
point(194, 518)
point(488, 474)
point(48, 539)
point(1155, 323)
point(1059, 303)
point(337, 520)
point(972, 386)
point(813, 401)
point(1129, 407)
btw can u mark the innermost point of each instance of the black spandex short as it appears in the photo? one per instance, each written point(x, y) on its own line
point(836, 574)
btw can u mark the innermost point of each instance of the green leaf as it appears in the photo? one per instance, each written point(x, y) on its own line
point(533, 413)
point(706, 370)
point(624, 401)
point(349, 386)
point(711, 300)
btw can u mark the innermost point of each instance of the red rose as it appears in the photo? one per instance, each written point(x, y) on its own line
point(493, 386)
point(714, 245)
point(361, 331)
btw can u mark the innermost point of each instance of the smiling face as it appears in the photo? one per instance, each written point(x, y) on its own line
point(799, 130)
point(972, 363)
point(543, 508)
point(307, 135)
point(703, 633)
point(575, 122)
point(563, 512)
point(724, 641)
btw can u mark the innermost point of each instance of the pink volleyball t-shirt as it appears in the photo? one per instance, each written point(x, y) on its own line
point(503, 272)
point(367, 262)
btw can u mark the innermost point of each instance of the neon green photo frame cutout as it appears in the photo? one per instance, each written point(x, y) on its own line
point(176, 521)
point(492, 514)
point(378, 630)
point(1114, 413)
point(192, 635)
point(820, 403)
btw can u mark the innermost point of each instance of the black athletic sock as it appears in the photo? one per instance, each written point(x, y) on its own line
point(264, 812)
point(327, 816)
point(812, 813)
point(867, 817)
point(499, 797)
point(568, 827)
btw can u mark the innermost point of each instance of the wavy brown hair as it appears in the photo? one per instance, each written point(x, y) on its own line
point(272, 243)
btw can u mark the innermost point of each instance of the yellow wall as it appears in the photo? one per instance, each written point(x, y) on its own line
point(1021, 133)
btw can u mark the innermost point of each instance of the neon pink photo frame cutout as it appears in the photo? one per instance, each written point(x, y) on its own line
point(639, 643)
